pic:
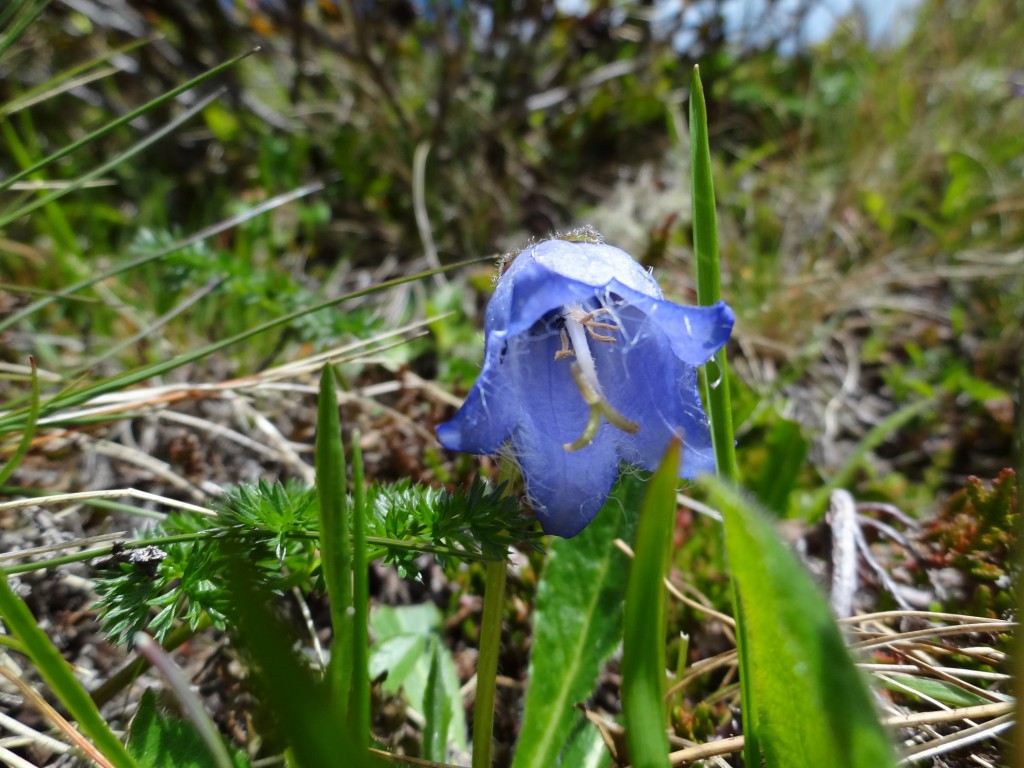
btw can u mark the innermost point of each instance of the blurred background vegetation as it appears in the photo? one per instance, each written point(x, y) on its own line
point(871, 194)
point(871, 204)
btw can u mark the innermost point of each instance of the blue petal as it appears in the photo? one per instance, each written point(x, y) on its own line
point(645, 382)
point(485, 420)
point(695, 333)
point(567, 488)
point(556, 273)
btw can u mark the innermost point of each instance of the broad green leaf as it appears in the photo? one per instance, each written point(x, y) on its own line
point(643, 642)
point(577, 624)
point(158, 741)
point(813, 707)
point(407, 639)
point(586, 748)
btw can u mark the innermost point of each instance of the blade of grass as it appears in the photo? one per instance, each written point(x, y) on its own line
point(717, 398)
point(122, 157)
point(123, 120)
point(436, 709)
point(709, 283)
point(310, 717)
point(68, 79)
point(360, 715)
point(190, 703)
point(23, 15)
point(30, 428)
point(203, 234)
point(14, 420)
point(335, 544)
point(643, 643)
point(876, 436)
point(55, 671)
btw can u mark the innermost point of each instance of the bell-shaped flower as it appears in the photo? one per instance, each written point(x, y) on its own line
point(587, 366)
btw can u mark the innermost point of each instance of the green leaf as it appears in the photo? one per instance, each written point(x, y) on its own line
point(643, 642)
point(812, 705)
point(437, 709)
point(335, 544)
point(577, 624)
point(585, 748)
point(940, 690)
point(158, 741)
point(407, 640)
point(786, 449)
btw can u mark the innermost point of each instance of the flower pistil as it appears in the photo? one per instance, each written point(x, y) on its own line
point(578, 324)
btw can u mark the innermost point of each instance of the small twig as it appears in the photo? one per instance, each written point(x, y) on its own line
point(958, 740)
point(843, 521)
point(978, 712)
point(706, 751)
point(419, 200)
point(698, 507)
point(57, 720)
point(112, 493)
point(890, 586)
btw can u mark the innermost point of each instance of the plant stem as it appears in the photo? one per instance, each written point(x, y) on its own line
point(487, 663)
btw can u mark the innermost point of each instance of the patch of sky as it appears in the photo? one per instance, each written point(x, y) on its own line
point(794, 24)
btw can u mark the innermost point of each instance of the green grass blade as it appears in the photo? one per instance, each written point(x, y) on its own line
point(813, 706)
point(73, 77)
point(30, 429)
point(577, 624)
point(709, 283)
point(335, 544)
point(191, 705)
point(197, 237)
point(115, 124)
point(101, 169)
point(643, 643)
point(55, 671)
point(20, 15)
point(875, 437)
point(15, 420)
point(360, 603)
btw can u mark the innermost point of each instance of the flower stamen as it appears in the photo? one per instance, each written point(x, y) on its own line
point(566, 350)
point(588, 322)
point(584, 373)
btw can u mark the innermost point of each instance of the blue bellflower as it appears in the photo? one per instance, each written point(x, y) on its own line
point(586, 365)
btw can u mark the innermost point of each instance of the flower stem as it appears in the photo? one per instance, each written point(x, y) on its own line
point(487, 663)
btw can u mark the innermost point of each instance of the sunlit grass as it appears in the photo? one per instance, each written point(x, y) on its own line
point(870, 229)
